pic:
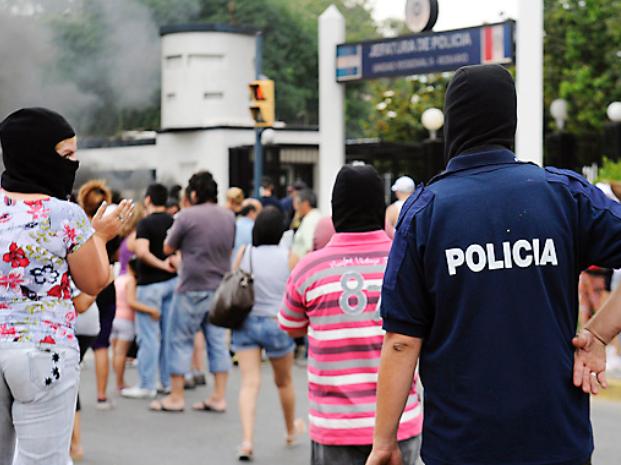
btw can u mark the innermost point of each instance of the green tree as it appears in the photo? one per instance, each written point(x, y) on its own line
point(583, 59)
point(610, 171)
point(398, 106)
point(290, 32)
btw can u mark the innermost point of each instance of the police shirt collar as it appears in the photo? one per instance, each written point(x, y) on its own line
point(486, 156)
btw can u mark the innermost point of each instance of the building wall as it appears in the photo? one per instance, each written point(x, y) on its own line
point(205, 77)
point(141, 157)
point(179, 154)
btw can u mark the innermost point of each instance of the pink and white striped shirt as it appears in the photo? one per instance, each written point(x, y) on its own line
point(335, 293)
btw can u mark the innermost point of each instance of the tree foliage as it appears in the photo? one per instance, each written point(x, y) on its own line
point(583, 58)
point(398, 105)
point(610, 171)
point(290, 32)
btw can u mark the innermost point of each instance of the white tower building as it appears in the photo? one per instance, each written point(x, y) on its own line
point(205, 71)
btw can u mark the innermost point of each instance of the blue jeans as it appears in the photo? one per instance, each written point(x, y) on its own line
point(190, 312)
point(262, 332)
point(152, 346)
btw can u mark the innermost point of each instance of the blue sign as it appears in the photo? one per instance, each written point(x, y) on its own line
point(426, 53)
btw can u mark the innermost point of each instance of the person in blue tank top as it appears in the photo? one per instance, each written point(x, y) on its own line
point(481, 290)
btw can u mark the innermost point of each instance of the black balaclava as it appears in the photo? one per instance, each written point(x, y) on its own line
point(32, 165)
point(358, 200)
point(480, 110)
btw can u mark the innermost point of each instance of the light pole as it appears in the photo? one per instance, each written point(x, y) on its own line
point(561, 145)
point(614, 112)
point(258, 147)
point(433, 148)
point(612, 132)
point(433, 120)
point(559, 112)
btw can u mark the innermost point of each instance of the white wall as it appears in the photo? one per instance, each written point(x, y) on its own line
point(185, 153)
point(205, 77)
point(178, 155)
point(139, 157)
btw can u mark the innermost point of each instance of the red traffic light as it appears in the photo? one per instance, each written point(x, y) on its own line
point(257, 92)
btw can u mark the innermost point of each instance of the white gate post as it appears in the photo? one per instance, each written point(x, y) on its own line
point(529, 141)
point(331, 105)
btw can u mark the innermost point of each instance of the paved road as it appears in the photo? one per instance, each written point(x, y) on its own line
point(130, 435)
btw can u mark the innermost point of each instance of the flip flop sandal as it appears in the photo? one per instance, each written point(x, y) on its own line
point(158, 406)
point(205, 407)
point(292, 440)
point(244, 453)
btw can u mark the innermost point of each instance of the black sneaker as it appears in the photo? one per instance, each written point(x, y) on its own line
point(189, 382)
point(200, 380)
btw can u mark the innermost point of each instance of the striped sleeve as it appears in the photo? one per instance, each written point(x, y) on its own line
point(292, 315)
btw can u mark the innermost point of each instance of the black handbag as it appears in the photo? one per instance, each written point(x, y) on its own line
point(234, 299)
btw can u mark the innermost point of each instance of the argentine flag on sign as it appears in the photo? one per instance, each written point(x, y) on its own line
point(496, 44)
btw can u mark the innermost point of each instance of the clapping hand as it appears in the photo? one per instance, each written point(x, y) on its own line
point(589, 362)
point(109, 226)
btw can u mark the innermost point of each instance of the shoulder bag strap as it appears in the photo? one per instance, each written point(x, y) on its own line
point(250, 257)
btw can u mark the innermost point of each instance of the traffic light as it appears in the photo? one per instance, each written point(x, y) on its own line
point(262, 102)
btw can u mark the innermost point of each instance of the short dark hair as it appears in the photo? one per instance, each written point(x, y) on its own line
point(175, 192)
point(116, 197)
point(158, 194)
point(245, 211)
point(268, 227)
point(267, 183)
point(307, 195)
point(299, 185)
point(172, 202)
point(204, 185)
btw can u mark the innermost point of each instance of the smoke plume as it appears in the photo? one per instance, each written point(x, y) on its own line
point(38, 69)
point(28, 61)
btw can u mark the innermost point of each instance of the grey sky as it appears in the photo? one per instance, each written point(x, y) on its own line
point(454, 13)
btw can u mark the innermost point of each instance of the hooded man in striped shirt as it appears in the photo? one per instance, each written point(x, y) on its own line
point(333, 295)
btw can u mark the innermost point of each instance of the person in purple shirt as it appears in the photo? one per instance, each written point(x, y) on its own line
point(204, 234)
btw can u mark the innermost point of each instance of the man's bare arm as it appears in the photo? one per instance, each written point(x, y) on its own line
point(144, 254)
point(606, 323)
point(590, 343)
point(398, 364)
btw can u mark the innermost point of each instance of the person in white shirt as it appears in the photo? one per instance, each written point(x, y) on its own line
point(403, 188)
point(305, 204)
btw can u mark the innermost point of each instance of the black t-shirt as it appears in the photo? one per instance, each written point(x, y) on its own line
point(270, 201)
point(154, 228)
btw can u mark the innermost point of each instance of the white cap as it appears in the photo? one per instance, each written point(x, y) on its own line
point(404, 184)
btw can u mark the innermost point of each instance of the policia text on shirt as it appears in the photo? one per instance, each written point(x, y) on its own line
point(522, 253)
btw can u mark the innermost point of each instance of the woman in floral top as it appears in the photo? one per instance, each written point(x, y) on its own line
point(45, 241)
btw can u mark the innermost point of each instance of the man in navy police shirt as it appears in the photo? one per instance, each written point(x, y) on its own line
point(482, 284)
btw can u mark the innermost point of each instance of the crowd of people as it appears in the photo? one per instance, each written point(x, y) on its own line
point(475, 275)
point(172, 255)
point(160, 262)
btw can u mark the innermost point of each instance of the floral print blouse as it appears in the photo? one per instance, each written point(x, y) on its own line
point(35, 291)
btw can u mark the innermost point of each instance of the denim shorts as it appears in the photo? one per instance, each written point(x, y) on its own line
point(188, 316)
point(123, 330)
point(262, 332)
